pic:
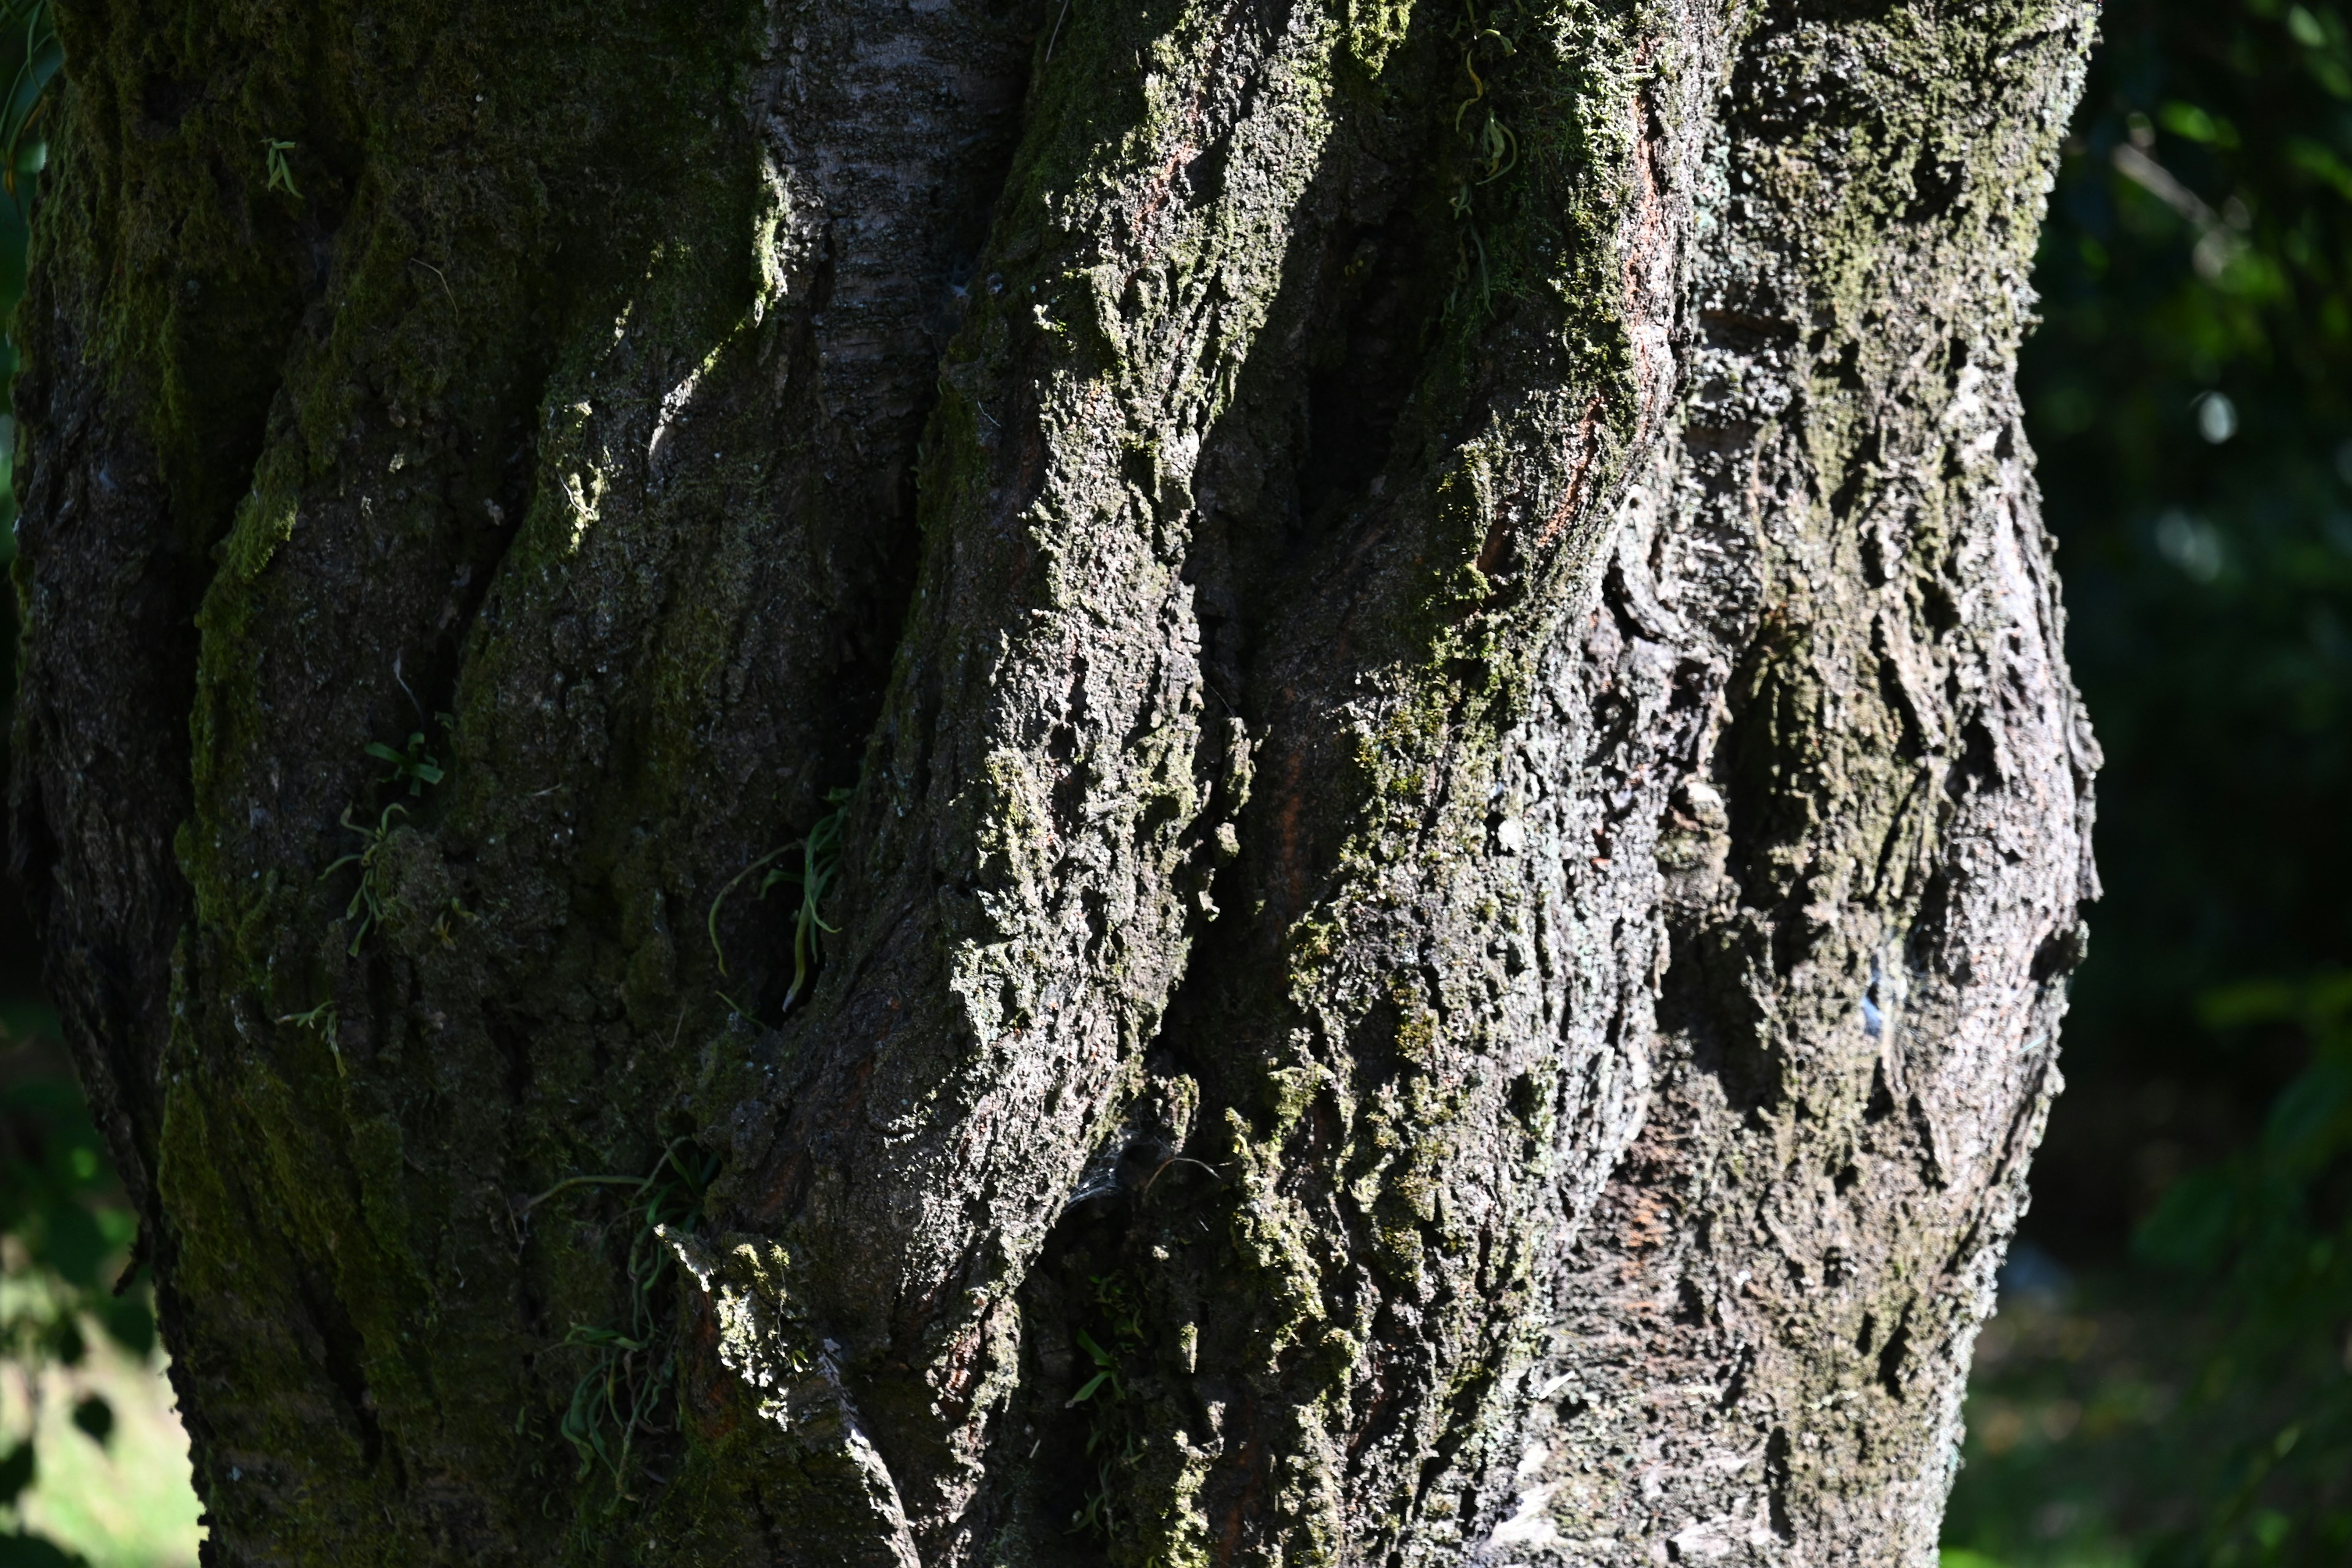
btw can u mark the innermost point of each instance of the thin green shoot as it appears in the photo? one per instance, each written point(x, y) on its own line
point(1478, 88)
point(612, 1403)
point(1492, 144)
point(819, 864)
point(324, 1019)
point(711, 924)
point(415, 766)
point(1106, 1372)
point(367, 900)
point(282, 173)
point(1110, 1424)
point(37, 58)
point(1501, 148)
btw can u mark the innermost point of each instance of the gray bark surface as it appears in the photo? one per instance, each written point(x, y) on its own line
point(1425, 637)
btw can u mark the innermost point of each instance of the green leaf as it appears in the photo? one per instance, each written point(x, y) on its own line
point(2250, 1002)
point(2188, 119)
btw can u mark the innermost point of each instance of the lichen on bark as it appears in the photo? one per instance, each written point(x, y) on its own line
point(1463, 824)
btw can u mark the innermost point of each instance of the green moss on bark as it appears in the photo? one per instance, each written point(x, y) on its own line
point(1256, 892)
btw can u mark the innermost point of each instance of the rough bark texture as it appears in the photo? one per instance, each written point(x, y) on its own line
point(1463, 823)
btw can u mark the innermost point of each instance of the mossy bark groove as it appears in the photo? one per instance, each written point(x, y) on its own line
point(1461, 819)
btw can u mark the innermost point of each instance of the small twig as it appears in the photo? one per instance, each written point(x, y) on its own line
point(1180, 1159)
point(669, 1156)
point(530, 1204)
point(1057, 32)
point(420, 261)
point(712, 922)
point(401, 681)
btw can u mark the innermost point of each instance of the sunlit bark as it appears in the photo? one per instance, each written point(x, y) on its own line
point(1003, 782)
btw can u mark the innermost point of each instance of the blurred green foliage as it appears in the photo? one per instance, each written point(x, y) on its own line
point(62, 1218)
point(65, 1232)
point(2190, 396)
point(65, 1241)
point(2184, 1398)
point(2273, 1224)
point(2194, 1411)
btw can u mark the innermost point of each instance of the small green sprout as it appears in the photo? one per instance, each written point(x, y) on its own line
point(820, 862)
point(1493, 145)
point(323, 1018)
point(1110, 1426)
point(441, 928)
point(1500, 149)
point(629, 1369)
point(367, 901)
point(1106, 1372)
point(415, 767)
point(282, 173)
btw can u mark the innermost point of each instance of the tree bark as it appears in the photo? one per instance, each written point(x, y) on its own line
point(1403, 653)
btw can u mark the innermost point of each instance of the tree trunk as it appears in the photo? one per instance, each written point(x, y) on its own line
point(1034, 781)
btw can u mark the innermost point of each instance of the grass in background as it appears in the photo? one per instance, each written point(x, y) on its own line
point(93, 1462)
point(120, 1500)
point(2191, 1408)
point(2075, 1453)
